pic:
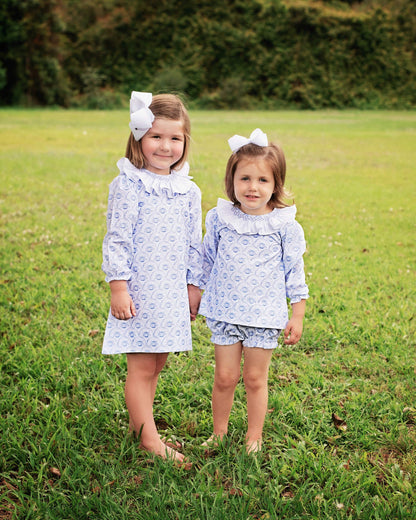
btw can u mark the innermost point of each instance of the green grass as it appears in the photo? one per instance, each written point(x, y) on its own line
point(64, 448)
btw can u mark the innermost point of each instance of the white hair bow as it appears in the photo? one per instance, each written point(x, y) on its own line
point(257, 137)
point(141, 117)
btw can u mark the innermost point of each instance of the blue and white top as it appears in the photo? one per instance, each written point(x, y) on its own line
point(153, 241)
point(251, 265)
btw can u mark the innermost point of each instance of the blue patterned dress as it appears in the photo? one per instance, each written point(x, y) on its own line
point(251, 265)
point(153, 241)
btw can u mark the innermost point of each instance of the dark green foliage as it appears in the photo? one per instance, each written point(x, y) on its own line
point(233, 53)
point(11, 51)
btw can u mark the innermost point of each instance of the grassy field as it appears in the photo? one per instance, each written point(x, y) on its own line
point(65, 452)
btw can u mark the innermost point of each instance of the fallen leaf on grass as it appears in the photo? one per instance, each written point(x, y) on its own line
point(8, 485)
point(93, 332)
point(55, 472)
point(339, 423)
point(333, 439)
point(234, 491)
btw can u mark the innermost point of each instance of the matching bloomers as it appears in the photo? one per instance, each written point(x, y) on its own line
point(252, 265)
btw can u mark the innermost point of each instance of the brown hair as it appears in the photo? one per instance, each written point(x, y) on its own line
point(274, 156)
point(165, 106)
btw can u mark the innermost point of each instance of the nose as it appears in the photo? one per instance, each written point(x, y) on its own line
point(165, 144)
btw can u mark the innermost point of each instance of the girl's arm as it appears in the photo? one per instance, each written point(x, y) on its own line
point(209, 246)
point(294, 327)
point(194, 296)
point(122, 214)
point(294, 246)
point(118, 246)
point(194, 272)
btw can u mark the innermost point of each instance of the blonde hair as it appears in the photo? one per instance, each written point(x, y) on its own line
point(274, 157)
point(165, 106)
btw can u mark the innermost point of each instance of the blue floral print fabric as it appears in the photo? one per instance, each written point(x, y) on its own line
point(251, 265)
point(153, 241)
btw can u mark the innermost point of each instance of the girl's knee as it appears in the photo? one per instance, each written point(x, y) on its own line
point(226, 381)
point(254, 380)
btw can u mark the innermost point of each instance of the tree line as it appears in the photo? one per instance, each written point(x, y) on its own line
point(218, 53)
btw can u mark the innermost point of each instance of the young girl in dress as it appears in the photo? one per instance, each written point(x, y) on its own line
point(152, 255)
point(253, 262)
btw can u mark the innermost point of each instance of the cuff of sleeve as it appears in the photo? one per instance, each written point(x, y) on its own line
point(192, 281)
point(193, 277)
point(297, 299)
point(110, 278)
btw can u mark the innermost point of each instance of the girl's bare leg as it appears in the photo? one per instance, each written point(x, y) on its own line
point(142, 374)
point(255, 375)
point(227, 375)
point(160, 363)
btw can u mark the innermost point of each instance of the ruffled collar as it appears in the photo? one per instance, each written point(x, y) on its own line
point(235, 219)
point(178, 181)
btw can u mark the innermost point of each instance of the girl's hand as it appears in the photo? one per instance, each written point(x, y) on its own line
point(194, 296)
point(293, 331)
point(122, 306)
point(294, 328)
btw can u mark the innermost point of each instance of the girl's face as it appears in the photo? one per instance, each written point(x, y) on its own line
point(254, 186)
point(163, 145)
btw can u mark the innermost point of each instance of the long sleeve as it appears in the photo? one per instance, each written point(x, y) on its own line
point(122, 216)
point(210, 246)
point(194, 271)
point(294, 246)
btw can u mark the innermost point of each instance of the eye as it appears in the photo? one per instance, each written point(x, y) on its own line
point(264, 180)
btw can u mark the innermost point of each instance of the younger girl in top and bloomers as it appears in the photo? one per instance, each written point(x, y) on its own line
point(151, 255)
point(253, 262)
